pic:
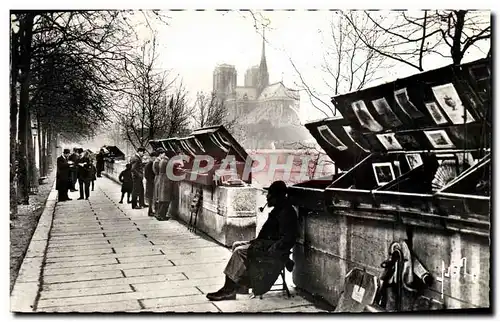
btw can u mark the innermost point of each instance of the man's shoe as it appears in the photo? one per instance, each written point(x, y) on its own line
point(222, 296)
point(162, 218)
point(81, 198)
point(120, 201)
point(136, 207)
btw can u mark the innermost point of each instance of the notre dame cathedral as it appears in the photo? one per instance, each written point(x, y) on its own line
point(266, 115)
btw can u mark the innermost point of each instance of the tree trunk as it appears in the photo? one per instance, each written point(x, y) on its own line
point(39, 142)
point(456, 48)
point(32, 168)
point(13, 123)
point(43, 159)
point(26, 35)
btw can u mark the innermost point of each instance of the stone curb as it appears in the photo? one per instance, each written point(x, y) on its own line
point(24, 294)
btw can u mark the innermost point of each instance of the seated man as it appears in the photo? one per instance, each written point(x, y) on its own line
point(257, 263)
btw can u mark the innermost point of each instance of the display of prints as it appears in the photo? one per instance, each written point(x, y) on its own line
point(329, 137)
point(414, 160)
point(384, 173)
point(439, 139)
point(349, 131)
point(386, 113)
point(436, 114)
point(450, 102)
point(403, 100)
point(389, 141)
point(364, 117)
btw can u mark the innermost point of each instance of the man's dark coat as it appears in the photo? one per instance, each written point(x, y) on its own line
point(62, 176)
point(280, 231)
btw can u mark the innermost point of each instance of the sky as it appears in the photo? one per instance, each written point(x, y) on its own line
point(194, 42)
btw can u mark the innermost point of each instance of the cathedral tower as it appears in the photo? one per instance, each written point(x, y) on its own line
point(263, 78)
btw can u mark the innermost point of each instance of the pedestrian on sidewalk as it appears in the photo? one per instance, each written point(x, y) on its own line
point(84, 174)
point(63, 175)
point(257, 264)
point(100, 162)
point(164, 186)
point(125, 178)
point(149, 175)
point(138, 179)
point(74, 169)
point(156, 171)
point(93, 172)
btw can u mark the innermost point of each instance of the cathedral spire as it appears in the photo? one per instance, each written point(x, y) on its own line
point(263, 73)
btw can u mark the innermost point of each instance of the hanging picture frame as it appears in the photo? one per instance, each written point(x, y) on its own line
point(403, 100)
point(439, 139)
point(385, 112)
point(452, 105)
point(435, 113)
point(383, 172)
point(331, 138)
point(414, 160)
point(389, 141)
point(364, 117)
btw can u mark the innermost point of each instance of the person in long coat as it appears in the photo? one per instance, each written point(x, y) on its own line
point(149, 175)
point(99, 162)
point(125, 178)
point(73, 169)
point(257, 264)
point(156, 171)
point(84, 174)
point(164, 186)
point(63, 176)
point(137, 179)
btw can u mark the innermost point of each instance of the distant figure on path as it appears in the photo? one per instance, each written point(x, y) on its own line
point(137, 179)
point(99, 162)
point(156, 171)
point(149, 175)
point(84, 174)
point(63, 176)
point(256, 264)
point(126, 180)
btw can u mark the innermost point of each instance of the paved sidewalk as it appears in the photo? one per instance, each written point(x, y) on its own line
point(101, 256)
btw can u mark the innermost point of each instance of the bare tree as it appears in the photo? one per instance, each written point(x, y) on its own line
point(348, 64)
point(210, 110)
point(100, 39)
point(409, 37)
point(151, 112)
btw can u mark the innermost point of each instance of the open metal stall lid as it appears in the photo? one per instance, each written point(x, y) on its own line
point(114, 152)
point(344, 145)
point(446, 108)
point(219, 143)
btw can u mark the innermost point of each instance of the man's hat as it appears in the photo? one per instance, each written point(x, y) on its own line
point(141, 149)
point(160, 150)
point(277, 188)
point(66, 151)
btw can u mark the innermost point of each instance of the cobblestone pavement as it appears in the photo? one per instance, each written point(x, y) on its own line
point(99, 256)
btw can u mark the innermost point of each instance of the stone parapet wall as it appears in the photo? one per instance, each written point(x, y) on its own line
point(331, 245)
point(227, 214)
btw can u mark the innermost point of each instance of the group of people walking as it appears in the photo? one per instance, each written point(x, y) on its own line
point(72, 168)
point(159, 187)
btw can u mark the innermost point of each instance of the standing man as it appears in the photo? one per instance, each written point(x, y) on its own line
point(149, 175)
point(63, 176)
point(256, 264)
point(99, 162)
point(73, 168)
point(164, 186)
point(137, 179)
point(84, 174)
